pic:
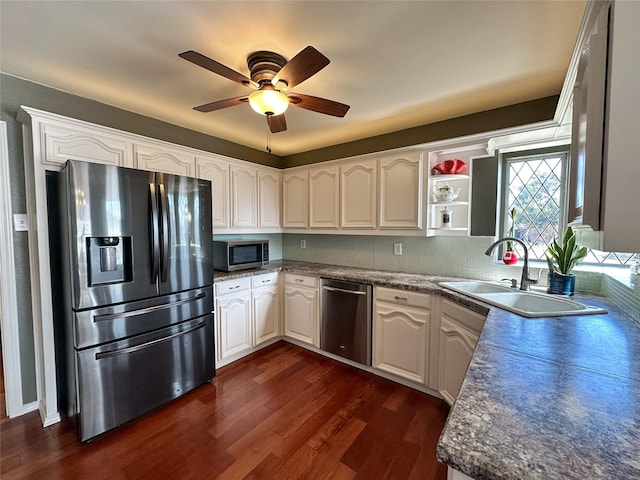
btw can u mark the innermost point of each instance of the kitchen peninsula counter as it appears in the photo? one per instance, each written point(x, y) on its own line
point(544, 398)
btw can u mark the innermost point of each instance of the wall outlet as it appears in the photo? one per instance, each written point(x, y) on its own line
point(397, 249)
point(303, 244)
point(20, 222)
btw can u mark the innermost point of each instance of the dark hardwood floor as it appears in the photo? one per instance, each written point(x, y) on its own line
point(281, 413)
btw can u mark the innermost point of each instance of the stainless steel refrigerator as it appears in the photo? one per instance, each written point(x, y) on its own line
point(137, 270)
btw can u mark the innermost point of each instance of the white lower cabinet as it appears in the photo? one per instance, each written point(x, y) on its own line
point(247, 315)
point(406, 341)
point(265, 300)
point(301, 308)
point(401, 333)
point(459, 332)
point(233, 315)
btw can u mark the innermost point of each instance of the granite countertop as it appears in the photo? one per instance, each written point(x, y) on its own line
point(549, 398)
point(543, 398)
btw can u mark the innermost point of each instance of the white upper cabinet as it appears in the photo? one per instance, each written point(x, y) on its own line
point(244, 198)
point(63, 143)
point(164, 159)
point(358, 194)
point(244, 202)
point(401, 191)
point(217, 171)
point(324, 197)
point(606, 120)
point(295, 203)
point(269, 199)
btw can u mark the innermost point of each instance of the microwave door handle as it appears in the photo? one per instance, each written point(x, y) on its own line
point(155, 237)
point(165, 233)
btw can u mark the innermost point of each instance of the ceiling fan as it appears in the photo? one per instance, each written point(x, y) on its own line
point(271, 78)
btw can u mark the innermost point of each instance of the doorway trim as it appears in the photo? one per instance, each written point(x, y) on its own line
point(8, 296)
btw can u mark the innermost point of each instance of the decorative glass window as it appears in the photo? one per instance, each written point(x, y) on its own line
point(535, 184)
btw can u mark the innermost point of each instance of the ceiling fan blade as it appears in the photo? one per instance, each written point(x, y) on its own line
point(305, 64)
point(216, 67)
point(277, 123)
point(220, 104)
point(317, 104)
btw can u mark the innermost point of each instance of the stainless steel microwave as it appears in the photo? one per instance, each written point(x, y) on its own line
point(232, 255)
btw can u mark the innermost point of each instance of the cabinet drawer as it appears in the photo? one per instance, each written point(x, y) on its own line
point(233, 286)
point(301, 280)
point(472, 320)
point(403, 297)
point(264, 280)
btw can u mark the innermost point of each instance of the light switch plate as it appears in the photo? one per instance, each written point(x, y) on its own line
point(20, 222)
point(303, 244)
point(397, 249)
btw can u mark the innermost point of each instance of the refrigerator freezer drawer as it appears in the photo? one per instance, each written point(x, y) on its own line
point(120, 381)
point(107, 324)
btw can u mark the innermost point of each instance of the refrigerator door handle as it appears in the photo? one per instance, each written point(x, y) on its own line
point(144, 311)
point(165, 233)
point(155, 241)
point(135, 348)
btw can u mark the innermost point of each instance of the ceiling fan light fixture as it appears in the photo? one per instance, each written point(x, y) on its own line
point(269, 102)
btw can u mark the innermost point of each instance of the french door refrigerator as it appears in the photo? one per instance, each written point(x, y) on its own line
point(137, 256)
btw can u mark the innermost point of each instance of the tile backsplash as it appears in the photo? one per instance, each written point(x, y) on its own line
point(461, 257)
point(446, 256)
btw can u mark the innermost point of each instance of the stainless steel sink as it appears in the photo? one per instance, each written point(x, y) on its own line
point(527, 304)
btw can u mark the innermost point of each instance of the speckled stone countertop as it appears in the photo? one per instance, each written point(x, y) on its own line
point(544, 398)
point(549, 398)
point(381, 278)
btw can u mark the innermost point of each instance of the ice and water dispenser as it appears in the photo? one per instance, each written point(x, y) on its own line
point(109, 260)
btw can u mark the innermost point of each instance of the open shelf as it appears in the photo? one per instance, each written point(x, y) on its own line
point(460, 183)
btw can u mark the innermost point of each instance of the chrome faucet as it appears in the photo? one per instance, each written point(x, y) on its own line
point(525, 280)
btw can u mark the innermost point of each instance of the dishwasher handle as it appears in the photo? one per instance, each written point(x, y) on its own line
point(336, 289)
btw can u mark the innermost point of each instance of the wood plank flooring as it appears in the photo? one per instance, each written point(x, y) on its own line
point(281, 413)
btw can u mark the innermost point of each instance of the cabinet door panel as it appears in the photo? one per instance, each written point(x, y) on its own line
point(161, 159)
point(218, 172)
point(324, 197)
point(401, 341)
point(243, 197)
point(295, 200)
point(456, 349)
point(300, 314)
point(358, 193)
point(268, 199)
point(401, 193)
point(233, 329)
point(266, 314)
point(62, 144)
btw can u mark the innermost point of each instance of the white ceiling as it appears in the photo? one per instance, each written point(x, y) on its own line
point(398, 64)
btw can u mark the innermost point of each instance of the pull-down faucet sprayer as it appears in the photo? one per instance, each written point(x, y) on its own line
point(525, 280)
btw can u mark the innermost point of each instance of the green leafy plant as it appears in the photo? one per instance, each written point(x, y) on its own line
point(562, 258)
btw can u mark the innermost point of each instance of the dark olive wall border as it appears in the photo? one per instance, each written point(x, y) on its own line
point(519, 114)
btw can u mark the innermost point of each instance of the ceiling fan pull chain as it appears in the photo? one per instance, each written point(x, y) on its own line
point(268, 139)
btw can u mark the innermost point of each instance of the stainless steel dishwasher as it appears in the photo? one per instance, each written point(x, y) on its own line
point(345, 319)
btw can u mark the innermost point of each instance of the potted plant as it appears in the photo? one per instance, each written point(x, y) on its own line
point(510, 257)
point(561, 258)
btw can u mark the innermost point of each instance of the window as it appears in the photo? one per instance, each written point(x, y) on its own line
point(534, 183)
